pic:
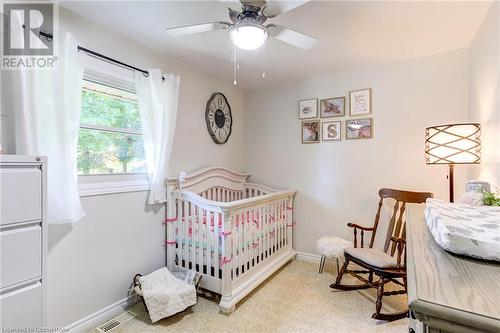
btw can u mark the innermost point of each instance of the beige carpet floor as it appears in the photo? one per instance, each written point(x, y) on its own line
point(295, 299)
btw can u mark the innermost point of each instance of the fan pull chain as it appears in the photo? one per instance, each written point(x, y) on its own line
point(264, 61)
point(235, 65)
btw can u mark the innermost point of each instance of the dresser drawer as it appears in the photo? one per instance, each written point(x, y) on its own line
point(20, 194)
point(21, 255)
point(22, 307)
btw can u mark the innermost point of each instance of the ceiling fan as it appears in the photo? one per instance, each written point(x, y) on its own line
point(247, 30)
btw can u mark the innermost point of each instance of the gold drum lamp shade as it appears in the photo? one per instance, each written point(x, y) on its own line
point(453, 144)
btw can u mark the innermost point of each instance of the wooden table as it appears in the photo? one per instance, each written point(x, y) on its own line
point(449, 293)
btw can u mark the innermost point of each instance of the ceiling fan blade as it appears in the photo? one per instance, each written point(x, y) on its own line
point(275, 8)
point(291, 37)
point(197, 28)
point(232, 4)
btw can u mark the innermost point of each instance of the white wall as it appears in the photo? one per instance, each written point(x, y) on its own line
point(91, 263)
point(337, 182)
point(484, 94)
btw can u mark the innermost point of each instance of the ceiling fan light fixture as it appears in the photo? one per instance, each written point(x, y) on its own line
point(248, 36)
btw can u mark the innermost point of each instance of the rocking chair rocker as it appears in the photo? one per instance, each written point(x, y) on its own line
point(383, 264)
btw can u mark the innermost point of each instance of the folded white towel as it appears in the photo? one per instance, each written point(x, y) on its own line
point(165, 295)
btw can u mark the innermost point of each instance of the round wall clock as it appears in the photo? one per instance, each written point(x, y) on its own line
point(218, 118)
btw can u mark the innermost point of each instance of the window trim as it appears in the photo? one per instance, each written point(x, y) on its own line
point(111, 186)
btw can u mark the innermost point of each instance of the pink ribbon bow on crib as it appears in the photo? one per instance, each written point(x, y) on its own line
point(170, 220)
point(225, 260)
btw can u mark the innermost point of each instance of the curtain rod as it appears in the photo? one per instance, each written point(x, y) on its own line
point(50, 36)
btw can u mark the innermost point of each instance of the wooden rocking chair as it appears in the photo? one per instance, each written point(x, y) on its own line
point(387, 265)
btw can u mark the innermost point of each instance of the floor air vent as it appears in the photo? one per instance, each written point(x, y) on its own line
point(115, 322)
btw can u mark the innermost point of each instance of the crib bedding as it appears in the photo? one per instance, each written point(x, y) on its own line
point(198, 244)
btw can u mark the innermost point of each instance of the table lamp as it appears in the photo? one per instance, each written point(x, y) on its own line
point(453, 144)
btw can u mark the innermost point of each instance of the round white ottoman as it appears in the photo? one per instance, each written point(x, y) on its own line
point(331, 248)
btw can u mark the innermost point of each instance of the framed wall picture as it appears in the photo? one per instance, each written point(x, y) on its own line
point(308, 108)
point(332, 107)
point(359, 128)
point(360, 102)
point(331, 130)
point(310, 131)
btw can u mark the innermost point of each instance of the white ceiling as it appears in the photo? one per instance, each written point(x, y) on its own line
point(351, 34)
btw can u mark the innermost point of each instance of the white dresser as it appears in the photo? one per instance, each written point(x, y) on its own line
point(23, 241)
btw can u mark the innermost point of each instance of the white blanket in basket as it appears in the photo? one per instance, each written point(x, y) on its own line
point(464, 229)
point(165, 295)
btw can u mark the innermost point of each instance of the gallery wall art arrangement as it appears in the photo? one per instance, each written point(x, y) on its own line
point(317, 127)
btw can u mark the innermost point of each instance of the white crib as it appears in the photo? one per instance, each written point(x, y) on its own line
point(234, 233)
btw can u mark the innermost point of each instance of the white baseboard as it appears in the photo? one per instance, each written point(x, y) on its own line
point(308, 257)
point(101, 316)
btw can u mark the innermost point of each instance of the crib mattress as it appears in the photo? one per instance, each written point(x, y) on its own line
point(464, 229)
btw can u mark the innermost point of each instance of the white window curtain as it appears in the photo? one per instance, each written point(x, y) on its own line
point(158, 100)
point(45, 108)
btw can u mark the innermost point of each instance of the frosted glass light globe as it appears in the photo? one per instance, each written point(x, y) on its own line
point(248, 36)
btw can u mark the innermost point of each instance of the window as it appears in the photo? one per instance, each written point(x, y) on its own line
point(110, 138)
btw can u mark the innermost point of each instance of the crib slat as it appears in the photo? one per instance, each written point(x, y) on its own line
point(278, 225)
point(185, 244)
point(216, 242)
point(275, 226)
point(255, 241)
point(226, 254)
point(283, 223)
point(234, 245)
point(266, 231)
point(239, 244)
point(192, 248)
point(242, 240)
point(202, 236)
point(199, 237)
point(274, 234)
point(248, 241)
point(245, 242)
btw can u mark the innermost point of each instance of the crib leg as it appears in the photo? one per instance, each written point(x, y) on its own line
point(227, 310)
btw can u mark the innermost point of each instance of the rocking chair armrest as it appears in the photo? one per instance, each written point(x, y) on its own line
point(357, 226)
point(363, 229)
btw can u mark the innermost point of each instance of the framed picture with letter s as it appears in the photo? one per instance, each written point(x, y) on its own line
point(331, 130)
